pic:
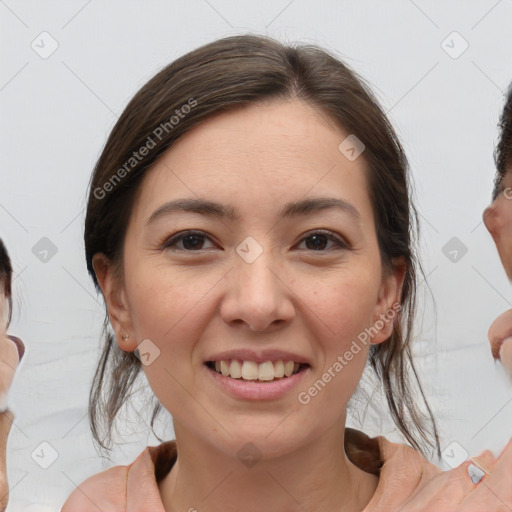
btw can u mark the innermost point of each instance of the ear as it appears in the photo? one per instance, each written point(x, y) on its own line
point(388, 304)
point(115, 299)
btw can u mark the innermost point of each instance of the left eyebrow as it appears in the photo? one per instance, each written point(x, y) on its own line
point(317, 204)
point(212, 209)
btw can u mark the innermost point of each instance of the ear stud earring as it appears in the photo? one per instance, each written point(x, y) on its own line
point(125, 337)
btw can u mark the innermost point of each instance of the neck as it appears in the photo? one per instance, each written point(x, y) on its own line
point(317, 476)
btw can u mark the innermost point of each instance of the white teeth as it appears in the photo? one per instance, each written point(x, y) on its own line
point(224, 368)
point(235, 369)
point(250, 370)
point(288, 368)
point(266, 371)
point(278, 369)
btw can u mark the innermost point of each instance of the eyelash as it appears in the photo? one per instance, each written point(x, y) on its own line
point(170, 242)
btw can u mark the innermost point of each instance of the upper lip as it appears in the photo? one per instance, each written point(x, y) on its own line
point(259, 356)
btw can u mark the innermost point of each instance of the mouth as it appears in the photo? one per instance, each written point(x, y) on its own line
point(268, 371)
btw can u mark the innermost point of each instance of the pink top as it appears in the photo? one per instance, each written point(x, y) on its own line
point(134, 488)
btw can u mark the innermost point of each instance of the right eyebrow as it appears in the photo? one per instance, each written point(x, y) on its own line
point(200, 206)
point(293, 209)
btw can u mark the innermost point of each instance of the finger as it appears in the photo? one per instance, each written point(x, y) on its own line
point(494, 490)
point(449, 489)
point(410, 473)
point(445, 491)
point(484, 462)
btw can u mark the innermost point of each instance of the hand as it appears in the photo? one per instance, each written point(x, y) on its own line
point(494, 491)
point(418, 486)
point(500, 338)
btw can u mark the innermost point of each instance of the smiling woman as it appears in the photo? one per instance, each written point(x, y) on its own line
point(242, 256)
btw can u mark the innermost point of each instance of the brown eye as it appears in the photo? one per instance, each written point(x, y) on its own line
point(318, 240)
point(191, 241)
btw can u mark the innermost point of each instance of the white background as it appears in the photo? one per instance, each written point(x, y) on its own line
point(57, 112)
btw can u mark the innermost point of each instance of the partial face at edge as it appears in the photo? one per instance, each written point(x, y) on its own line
point(315, 287)
point(498, 221)
point(9, 353)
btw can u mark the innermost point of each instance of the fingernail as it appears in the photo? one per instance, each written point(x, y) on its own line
point(475, 473)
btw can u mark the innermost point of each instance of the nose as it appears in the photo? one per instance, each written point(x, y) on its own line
point(258, 295)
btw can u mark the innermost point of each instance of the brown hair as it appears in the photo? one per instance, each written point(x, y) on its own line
point(503, 152)
point(223, 75)
point(5, 276)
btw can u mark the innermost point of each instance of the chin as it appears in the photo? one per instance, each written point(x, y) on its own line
point(263, 444)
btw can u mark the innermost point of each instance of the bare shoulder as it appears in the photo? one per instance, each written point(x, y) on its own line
point(105, 491)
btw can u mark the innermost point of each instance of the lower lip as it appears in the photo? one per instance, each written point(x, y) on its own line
point(256, 390)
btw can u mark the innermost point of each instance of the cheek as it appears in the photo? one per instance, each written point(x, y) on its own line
point(343, 300)
point(172, 307)
point(343, 344)
point(169, 306)
point(506, 215)
point(345, 340)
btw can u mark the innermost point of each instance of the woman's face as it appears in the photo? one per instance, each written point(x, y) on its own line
point(251, 284)
point(498, 221)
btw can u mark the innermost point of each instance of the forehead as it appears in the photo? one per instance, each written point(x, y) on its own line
point(261, 155)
